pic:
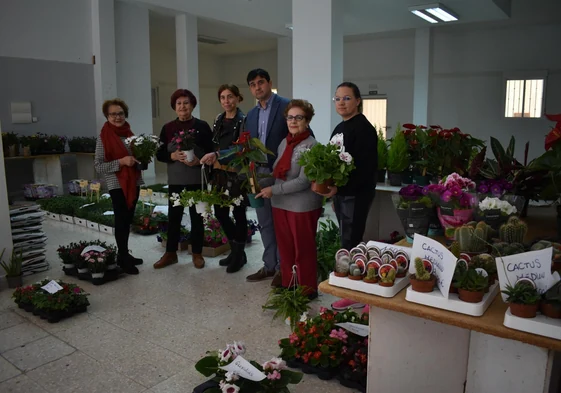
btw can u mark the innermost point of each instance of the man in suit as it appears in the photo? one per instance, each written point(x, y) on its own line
point(266, 121)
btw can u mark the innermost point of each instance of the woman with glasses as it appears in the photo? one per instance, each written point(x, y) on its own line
point(352, 202)
point(183, 174)
point(296, 208)
point(226, 131)
point(114, 160)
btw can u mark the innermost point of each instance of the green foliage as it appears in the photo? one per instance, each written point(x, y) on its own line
point(521, 293)
point(484, 261)
point(503, 249)
point(420, 271)
point(328, 241)
point(473, 239)
point(9, 139)
point(288, 303)
point(13, 266)
point(322, 162)
point(455, 248)
point(513, 231)
point(398, 159)
point(472, 280)
point(382, 151)
point(371, 273)
point(82, 144)
point(553, 294)
point(144, 147)
point(425, 200)
point(66, 204)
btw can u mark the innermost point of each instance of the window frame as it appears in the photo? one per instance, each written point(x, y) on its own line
point(525, 76)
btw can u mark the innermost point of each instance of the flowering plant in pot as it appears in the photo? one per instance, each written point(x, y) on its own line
point(422, 280)
point(414, 210)
point(382, 157)
point(495, 211)
point(398, 158)
point(82, 144)
point(214, 235)
point(184, 236)
point(13, 268)
point(144, 148)
point(327, 165)
point(455, 149)
point(550, 305)
point(185, 141)
point(95, 260)
point(472, 285)
point(523, 298)
point(252, 228)
point(274, 373)
point(423, 152)
point(10, 142)
point(69, 256)
point(203, 200)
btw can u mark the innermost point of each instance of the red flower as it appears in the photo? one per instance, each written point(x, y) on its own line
point(433, 133)
point(423, 127)
point(455, 129)
point(244, 138)
point(436, 127)
point(409, 126)
point(252, 166)
point(317, 355)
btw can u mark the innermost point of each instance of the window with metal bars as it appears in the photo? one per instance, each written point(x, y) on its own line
point(524, 98)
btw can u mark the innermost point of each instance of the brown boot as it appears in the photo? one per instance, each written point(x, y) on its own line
point(169, 258)
point(198, 261)
point(277, 280)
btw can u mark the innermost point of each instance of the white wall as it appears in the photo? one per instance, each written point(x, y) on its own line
point(49, 30)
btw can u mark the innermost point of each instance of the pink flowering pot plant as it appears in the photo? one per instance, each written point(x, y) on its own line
point(455, 198)
point(231, 373)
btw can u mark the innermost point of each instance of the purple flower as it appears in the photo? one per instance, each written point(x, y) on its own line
point(446, 196)
point(456, 191)
point(466, 200)
point(483, 188)
point(496, 190)
point(76, 290)
point(508, 186)
point(411, 192)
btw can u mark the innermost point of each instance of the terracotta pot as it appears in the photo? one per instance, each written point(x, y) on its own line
point(356, 278)
point(550, 310)
point(337, 274)
point(524, 310)
point(401, 274)
point(322, 188)
point(26, 151)
point(386, 284)
point(370, 281)
point(470, 297)
point(453, 289)
point(423, 286)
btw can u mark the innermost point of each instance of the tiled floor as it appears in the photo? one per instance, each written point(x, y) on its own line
point(141, 333)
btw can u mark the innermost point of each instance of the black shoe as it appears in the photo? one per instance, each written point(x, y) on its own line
point(226, 261)
point(127, 265)
point(238, 259)
point(135, 261)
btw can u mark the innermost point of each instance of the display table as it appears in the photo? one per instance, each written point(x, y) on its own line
point(415, 348)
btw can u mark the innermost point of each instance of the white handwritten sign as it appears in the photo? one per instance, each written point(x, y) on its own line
point(244, 369)
point(443, 261)
point(92, 248)
point(535, 265)
point(52, 287)
point(356, 328)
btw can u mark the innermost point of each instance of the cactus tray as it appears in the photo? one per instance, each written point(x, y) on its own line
point(373, 289)
point(453, 303)
point(541, 325)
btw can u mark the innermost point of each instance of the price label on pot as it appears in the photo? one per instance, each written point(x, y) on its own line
point(244, 369)
point(149, 192)
point(95, 187)
point(535, 265)
point(52, 287)
point(83, 183)
point(143, 193)
point(443, 261)
point(356, 328)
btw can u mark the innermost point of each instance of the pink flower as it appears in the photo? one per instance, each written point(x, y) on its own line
point(322, 310)
point(446, 196)
point(293, 338)
point(338, 334)
point(456, 191)
point(224, 240)
point(274, 375)
point(182, 133)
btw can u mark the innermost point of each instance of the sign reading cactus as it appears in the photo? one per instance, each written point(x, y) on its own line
point(513, 231)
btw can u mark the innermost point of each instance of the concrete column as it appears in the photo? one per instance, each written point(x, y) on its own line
point(284, 67)
point(132, 36)
point(187, 53)
point(422, 75)
point(103, 44)
point(317, 58)
point(5, 224)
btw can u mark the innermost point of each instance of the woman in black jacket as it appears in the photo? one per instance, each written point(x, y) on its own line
point(183, 174)
point(226, 130)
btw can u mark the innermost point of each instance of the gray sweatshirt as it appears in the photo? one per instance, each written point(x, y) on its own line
point(293, 194)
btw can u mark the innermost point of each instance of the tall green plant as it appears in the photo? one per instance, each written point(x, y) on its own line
point(328, 241)
point(382, 151)
point(398, 159)
point(13, 267)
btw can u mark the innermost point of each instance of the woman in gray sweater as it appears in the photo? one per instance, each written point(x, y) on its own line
point(296, 208)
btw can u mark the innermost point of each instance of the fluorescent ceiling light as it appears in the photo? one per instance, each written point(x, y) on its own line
point(442, 14)
point(424, 16)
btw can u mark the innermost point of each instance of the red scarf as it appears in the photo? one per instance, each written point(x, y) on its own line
point(285, 161)
point(115, 149)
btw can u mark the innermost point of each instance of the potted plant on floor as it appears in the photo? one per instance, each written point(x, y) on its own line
point(471, 285)
point(398, 159)
point(327, 165)
point(523, 298)
point(13, 269)
point(143, 148)
point(328, 241)
point(550, 305)
point(422, 280)
point(382, 157)
point(95, 261)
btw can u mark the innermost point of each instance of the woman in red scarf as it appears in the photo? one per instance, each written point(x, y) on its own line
point(115, 162)
point(296, 208)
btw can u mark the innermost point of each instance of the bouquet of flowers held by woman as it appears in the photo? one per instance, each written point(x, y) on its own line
point(233, 374)
point(327, 165)
point(143, 148)
point(185, 141)
point(455, 198)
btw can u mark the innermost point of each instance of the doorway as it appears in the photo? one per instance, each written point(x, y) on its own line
point(376, 111)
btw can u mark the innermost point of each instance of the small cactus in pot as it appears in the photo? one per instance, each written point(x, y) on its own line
point(513, 231)
point(371, 275)
point(422, 281)
point(354, 272)
point(472, 239)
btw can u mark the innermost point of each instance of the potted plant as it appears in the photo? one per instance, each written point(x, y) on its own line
point(371, 275)
point(327, 165)
point(459, 271)
point(328, 242)
point(10, 142)
point(422, 280)
point(550, 305)
point(185, 141)
point(471, 285)
point(387, 275)
point(82, 144)
point(252, 228)
point(382, 157)
point(523, 299)
point(144, 148)
point(487, 263)
point(203, 200)
point(95, 261)
point(495, 211)
point(288, 303)
point(184, 236)
point(248, 151)
point(413, 208)
point(513, 231)
point(355, 272)
point(398, 159)
point(472, 238)
point(13, 269)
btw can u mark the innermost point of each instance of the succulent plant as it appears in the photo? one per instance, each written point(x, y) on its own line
point(513, 231)
point(543, 244)
point(484, 261)
point(521, 293)
point(472, 280)
point(371, 273)
point(455, 249)
point(473, 239)
point(421, 273)
point(503, 249)
point(342, 265)
point(354, 270)
point(390, 277)
point(553, 294)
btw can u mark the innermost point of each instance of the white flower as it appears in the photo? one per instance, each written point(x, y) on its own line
point(176, 203)
point(232, 376)
point(227, 192)
point(226, 354)
point(337, 140)
point(238, 347)
point(274, 364)
point(346, 157)
point(304, 317)
point(229, 388)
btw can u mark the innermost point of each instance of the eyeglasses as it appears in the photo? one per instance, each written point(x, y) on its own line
point(346, 98)
point(117, 114)
point(297, 118)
